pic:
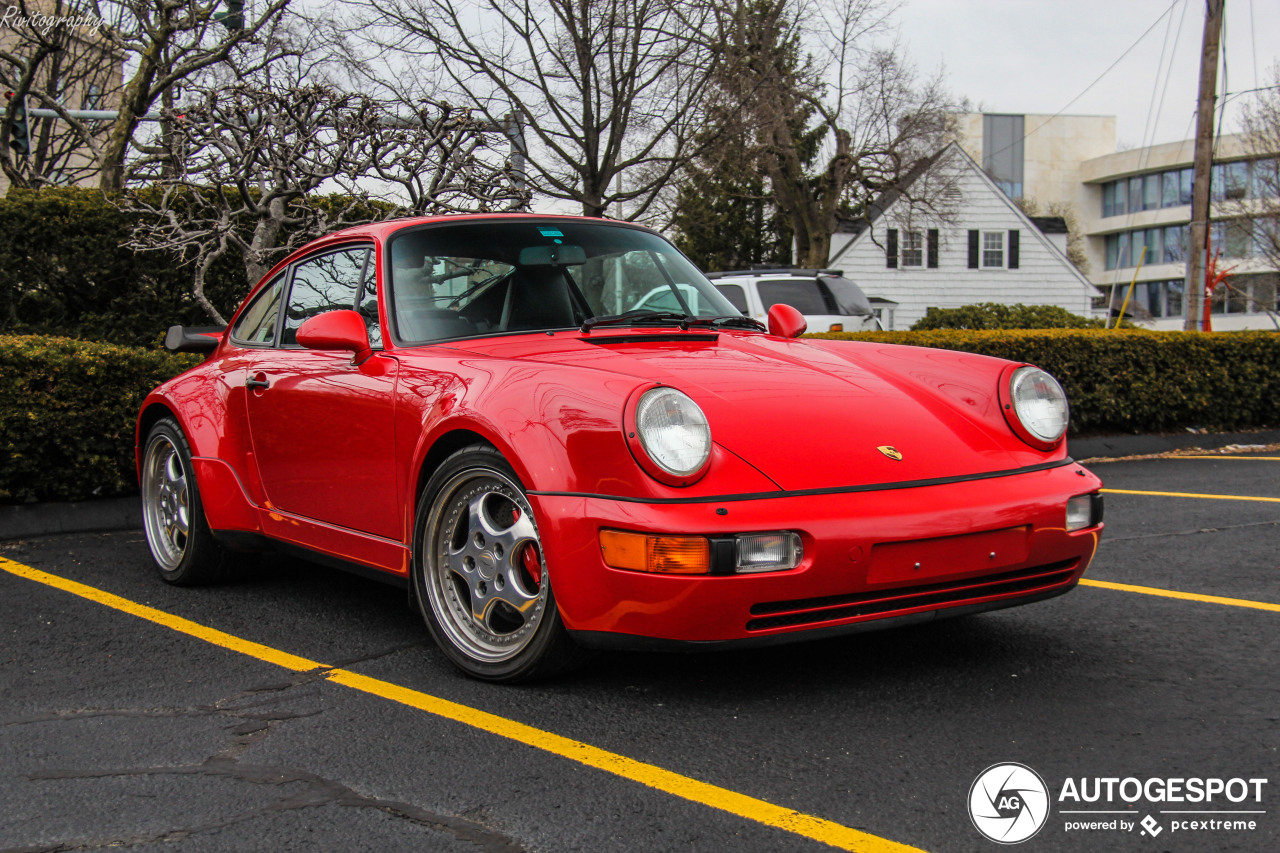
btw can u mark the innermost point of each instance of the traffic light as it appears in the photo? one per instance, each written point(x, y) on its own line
point(19, 129)
point(233, 18)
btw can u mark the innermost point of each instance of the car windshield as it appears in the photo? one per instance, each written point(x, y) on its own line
point(484, 277)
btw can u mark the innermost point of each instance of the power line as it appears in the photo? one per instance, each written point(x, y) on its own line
point(1086, 89)
point(1253, 40)
point(1148, 137)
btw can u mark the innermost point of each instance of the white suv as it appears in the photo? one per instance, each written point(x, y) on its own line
point(828, 300)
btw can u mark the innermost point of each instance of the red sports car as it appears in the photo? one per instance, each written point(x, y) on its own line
point(473, 405)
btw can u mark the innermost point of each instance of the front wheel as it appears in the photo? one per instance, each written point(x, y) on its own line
point(480, 577)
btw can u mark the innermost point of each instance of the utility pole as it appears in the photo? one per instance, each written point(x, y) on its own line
point(1198, 248)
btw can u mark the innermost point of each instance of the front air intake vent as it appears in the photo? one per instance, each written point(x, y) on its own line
point(881, 603)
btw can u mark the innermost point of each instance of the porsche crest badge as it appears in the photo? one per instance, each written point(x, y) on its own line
point(892, 452)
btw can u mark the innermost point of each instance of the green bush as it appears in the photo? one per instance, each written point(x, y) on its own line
point(63, 272)
point(67, 414)
point(67, 407)
point(1136, 381)
point(993, 315)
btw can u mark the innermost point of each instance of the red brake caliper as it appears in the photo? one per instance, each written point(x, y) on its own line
point(532, 563)
point(529, 556)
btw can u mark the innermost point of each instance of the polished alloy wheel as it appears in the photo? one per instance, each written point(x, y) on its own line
point(166, 504)
point(484, 572)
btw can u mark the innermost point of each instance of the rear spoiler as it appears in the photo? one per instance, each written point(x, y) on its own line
point(193, 338)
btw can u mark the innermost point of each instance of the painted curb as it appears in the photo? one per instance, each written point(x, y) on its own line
point(78, 517)
point(1141, 445)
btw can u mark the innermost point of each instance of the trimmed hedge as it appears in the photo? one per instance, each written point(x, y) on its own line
point(63, 271)
point(67, 414)
point(994, 315)
point(67, 407)
point(1135, 381)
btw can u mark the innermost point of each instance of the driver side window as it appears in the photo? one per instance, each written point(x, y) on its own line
point(324, 283)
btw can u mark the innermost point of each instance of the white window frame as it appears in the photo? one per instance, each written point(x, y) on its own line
point(912, 248)
point(987, 250)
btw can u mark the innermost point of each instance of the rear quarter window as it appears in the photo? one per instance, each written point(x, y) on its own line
point(806, 295)
point(735, 294)
point(257, 323)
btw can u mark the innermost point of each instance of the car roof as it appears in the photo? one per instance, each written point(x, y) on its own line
point(772, 272)
point(385, 228)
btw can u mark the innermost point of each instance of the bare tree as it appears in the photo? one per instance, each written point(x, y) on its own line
point(55, 58)
point(168, 42)
point(1261, 125)
point(252, 164)
point(1076, 252)
point(842, 125)
point(610, 90)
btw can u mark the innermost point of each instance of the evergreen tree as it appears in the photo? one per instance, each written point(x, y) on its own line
point(725, 216)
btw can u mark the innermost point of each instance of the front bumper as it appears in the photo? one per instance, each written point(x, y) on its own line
point(871, 559)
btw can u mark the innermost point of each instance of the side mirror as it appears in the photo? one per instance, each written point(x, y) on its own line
point(340, 330)
point(784, 321)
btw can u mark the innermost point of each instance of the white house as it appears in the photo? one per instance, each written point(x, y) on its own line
point(987, 251)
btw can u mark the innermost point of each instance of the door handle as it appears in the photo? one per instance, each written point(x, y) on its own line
point(259, 381)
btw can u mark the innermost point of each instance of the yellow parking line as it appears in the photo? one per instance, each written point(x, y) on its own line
point(1186, 596)
point(1191, 495)
point(687, 788)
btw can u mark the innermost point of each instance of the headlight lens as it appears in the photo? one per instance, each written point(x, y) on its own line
point(673, 431)
point(1039, 402)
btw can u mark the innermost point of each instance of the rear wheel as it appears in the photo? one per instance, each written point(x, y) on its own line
point(480, 577)
point(181, 543)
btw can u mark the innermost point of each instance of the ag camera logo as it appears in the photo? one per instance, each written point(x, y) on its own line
point(1008, 803)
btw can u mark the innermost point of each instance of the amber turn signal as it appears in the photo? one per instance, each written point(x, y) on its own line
point(639, 552)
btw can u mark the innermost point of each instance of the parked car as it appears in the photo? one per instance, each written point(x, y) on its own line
point(476, 407)
point(829, 301)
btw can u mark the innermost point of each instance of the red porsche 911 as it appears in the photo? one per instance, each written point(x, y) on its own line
point(475, 406)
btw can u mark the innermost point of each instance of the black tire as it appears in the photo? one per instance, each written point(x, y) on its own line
point(182, 546)
point(479, 575)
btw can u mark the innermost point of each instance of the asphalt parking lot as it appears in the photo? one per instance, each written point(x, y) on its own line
point(305, 709)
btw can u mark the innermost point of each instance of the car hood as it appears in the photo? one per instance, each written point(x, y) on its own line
point(810, 415)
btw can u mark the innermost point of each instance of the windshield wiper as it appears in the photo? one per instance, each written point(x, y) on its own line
point(637, 317)
point(729, 320)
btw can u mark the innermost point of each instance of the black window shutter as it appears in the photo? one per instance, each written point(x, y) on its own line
point(974, 240)
point(932, 247)
point(891, 249)
point(1013, 250)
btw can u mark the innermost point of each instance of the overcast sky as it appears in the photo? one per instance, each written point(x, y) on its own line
point(1035, 56)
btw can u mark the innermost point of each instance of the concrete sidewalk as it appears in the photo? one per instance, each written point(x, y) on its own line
point(126, 513)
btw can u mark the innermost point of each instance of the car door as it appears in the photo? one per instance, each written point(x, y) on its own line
point(322, 424)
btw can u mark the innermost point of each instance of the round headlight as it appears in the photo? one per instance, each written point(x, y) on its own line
point(673, 431)
point(1039, 403)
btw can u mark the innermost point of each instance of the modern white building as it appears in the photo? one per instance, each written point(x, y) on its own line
point(1136, 219)
point(986, 250)
point(1037, 156)
point(1132, 205)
